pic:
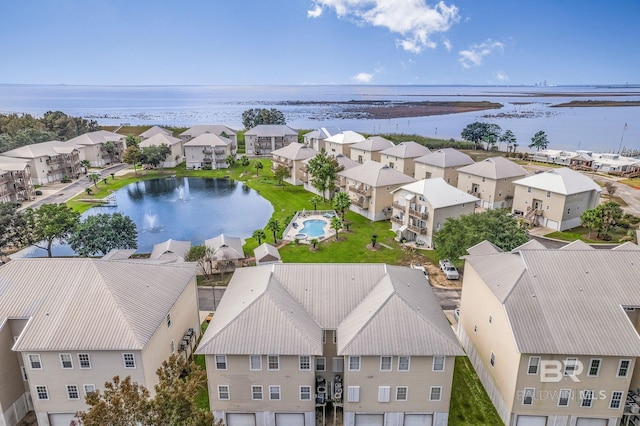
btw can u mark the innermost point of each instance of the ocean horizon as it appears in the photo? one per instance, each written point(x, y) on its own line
point(526, 109)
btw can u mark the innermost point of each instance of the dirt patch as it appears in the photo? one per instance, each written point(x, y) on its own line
point(370, 247)
point(436, 277)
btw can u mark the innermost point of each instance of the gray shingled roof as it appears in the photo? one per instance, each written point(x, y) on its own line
point(409, 149)
point(283, 308)
point(438, 192)
point(444, 158)
point(376, 174)
point(567, 301)
point(560, 181)
point(494, 168)
point(102, 305)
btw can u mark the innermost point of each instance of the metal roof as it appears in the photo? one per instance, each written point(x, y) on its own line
point(373, 144)
point(283, 308)
point(95, 138)
point(43, 149)
point(159, 139)
point(209, 139)
point(376, 174)
point(494, 168)
point(295, 151)
point(445, 157)
point(199, 129)
point(346, 137)
point(484, 247)
point(409, 149)
point(560, 181)
point(271, 130)
point(152, 131)
point(438, 193)
point(88, 304)
point(226, 247)
point(178, 248)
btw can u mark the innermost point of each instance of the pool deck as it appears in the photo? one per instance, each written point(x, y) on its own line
point(297, 223)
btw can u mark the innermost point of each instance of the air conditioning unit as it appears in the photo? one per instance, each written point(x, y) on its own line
point(182, 346)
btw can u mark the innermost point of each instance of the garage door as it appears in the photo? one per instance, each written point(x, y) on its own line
point(369, 419)
point(241, 419)
point(584, 421)
point(60, 419)
point(418, 420)
point(289, 419)
point(532, 420)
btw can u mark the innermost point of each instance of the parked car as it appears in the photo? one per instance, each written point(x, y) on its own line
point(450, 271)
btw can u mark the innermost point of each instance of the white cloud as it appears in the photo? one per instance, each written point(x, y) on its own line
point(362, 77)
point(447, 44)
point(501, 75)
point(414, 20)
point(476, 53)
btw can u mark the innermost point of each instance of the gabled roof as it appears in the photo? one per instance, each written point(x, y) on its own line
point(178, 249)
point(373, 144)
point(283, 308)
point(209, 139)
point(484, 247)
point(529, 245)
point(295, 151)
point(95, 138)
point(560, 181)
point(407, 149)
point(494, 168)
point(346, 137)
point(445, 158)
point(438, 193)
point(266, 253)
point(376, 174)
point(346, 162)
point(216, 129)
point(577, 245)
point(118, 254)
point(42, 149)
point(323, 132)
point(102, 305)
point(225, 247)
point(159, 139)
point(627, 246)
point(270, 130)
point(566, 301)
point(155, 130)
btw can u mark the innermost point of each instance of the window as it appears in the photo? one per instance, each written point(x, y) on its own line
point(168, 320)
point(42, 393)
point(89, 389)
point(72, 392)
point(274, 393)
point(338, 365)
point(324, 336)
point(492, 359)
point(403, 363)
point(563, 398)
point(223, 392)
point(35, 362)
point(255, 362)
point(616, 397)
point(490, 319)
point(435, 393)
point(401, 393)
point(354, 363)
point(256, 392)
point(335, 336)
point(23, 370)
point(623, 367)
point(548, 194)
point(570, 365)
point(385, 363)
point(65, 361)
point(321, 364)
point(221, 362)
point(384, 393)
point(534, 362)
point(84, 361)
point(527, 396)
point(353, 394)
point(438, 363)
point(172, 347)
point(273, 362)
point(304, 362)
point(528, 189)
point(594, 367)
point(587, 398)
point(129, 361)
point(305, 393)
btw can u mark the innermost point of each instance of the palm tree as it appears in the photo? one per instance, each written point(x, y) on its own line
point(258, 165)
point(314, 242)
point(315, 199)
point(94, 177)
point(274, 226)
point(259, 235)
point(341, 202)
point(230, 160)
point(336, 225)
point(85, 164)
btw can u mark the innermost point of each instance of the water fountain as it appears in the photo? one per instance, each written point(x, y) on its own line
point(183, 190)
point(150, 222)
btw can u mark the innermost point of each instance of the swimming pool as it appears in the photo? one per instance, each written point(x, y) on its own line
point(313, 227)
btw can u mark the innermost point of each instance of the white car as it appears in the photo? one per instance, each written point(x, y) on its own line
point(419, 268)
point(449, 270)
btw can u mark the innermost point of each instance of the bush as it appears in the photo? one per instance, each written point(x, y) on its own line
point(65, 179)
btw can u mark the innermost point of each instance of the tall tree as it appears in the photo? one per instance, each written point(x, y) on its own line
point(259, 235)
point(539, 141)
point(132, 141)
point(496, 226)
point(132, 155)
point(154, 156)
point(85, 164)
point(315, 200)
point(610, 214)
point(11, 226)
point(274, 226)
point(101, 233)
point(201, 255)
point(230, 160)
point(258, 165)
point(323, 169)
point(111, 149)
point(255, 116)
point(508, 138)
point(341, 202)
point(479, 133)
point(95, 178)
point(48, 223)
point(281, 173)
point(591, 219)
point(336, 225)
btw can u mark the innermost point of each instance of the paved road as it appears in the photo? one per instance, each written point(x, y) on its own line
point(449, 298)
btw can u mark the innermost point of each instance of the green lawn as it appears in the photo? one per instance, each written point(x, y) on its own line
point(470, 404)
point(582, 233)
point(202, 398)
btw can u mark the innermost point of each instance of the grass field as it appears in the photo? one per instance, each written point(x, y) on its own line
point(470, 404)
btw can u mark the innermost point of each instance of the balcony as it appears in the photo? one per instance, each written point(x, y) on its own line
point(363, 204)
point(397, 220)
point(397, 205)
point(418, 229)
point(207, 151)
point(207, 159)
point(361, 190)
point(416, 213)
point(283, 162)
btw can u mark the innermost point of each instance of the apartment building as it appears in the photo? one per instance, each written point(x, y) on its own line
point(491, 180)
point(48, 161)
point(266, 138)
point(292, 157)
point(216, 129)
point(175, 157)
point(553, 333)
point(67, 326)
point(15, 180)
point(209, 151)
point(341, 143)
point(155, 130)
point(369, 149)
point(402, 157)
point(92, 147)
point(443, 163)
point(366, 343)
point(315, 139)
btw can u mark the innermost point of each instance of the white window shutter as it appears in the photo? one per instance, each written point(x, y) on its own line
point(338, 365)
point(353, 394)
point(384, 393)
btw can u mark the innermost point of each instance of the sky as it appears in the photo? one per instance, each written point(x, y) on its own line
point(282, 42)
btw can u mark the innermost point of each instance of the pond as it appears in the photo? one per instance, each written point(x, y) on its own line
point(186, 209)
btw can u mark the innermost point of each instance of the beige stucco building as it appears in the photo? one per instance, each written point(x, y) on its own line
point(443, 163)
point(340, 144)
point(92, 147)
point(15, 180)
point(290, 340)
point(216, 129)
point(369, 149)
point(315, 139)
point(175, 157)
point(401, 157)
point(491, 180)
point(370, 187)
point(48, 161)
point(555, 199)
point(421, 208)
point(292, 157)
point(154, 130)
point(344, 163)
point(65, 334)
point(209, 151)
point(553, 334)
point(266, 138)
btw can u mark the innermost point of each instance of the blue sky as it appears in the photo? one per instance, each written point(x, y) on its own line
point(235, 42)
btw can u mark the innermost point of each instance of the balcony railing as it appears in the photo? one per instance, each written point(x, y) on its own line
point(418, 229)
point(207, 151)
point(363, 204)
point(361, 190)
point(397, 220)
point(397, 205)
point(283, 161)
point(416, 213)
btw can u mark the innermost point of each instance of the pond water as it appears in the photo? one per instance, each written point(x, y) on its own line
point(186, 209)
